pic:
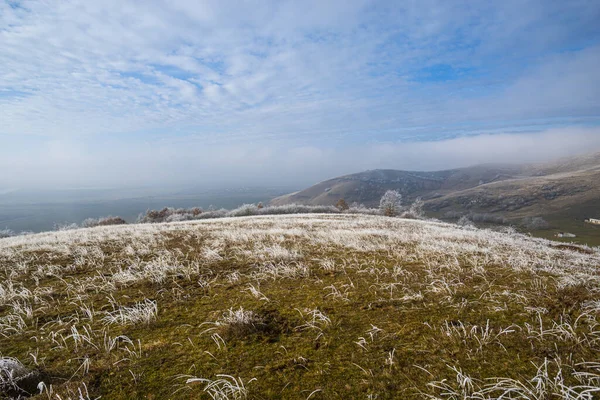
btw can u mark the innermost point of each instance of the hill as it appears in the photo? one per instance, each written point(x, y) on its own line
point(565, 192)
point(368, 187)
point(298, 307)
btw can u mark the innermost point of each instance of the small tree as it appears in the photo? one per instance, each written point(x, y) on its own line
point(342, 205)
point(390, 203)
point(415, 210)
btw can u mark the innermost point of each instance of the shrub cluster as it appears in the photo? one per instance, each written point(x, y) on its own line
point(356, 208)
point(104, 221)
point(169, 214)
point(390, 206)
point(477, 217)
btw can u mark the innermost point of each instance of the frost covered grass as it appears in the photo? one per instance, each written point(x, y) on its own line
point(302, 306)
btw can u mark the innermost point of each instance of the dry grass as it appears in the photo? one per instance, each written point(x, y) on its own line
point(314, 306)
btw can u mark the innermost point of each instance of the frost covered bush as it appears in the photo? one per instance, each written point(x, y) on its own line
point(415, 211)
point(298, 209)
point(356, 208)
point(104, 221)
point(221, 213)
point(65, 227)
point(244, 210)
point(391, 207)
point(390, 203)
point(4, 233)
point(170, 214)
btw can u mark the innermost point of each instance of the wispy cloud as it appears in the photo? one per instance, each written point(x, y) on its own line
point(293, 74)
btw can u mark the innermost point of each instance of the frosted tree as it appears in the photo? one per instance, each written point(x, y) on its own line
point(342, 205)
point(415, 210)
point(390, 203)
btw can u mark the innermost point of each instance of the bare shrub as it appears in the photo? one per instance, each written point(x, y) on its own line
point(341, 205)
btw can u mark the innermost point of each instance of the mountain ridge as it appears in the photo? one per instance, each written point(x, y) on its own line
point(562, 189)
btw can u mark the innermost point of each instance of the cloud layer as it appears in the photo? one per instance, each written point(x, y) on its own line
point(241, 83)
point(69, 163)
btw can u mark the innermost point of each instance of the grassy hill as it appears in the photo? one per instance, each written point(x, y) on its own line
point(368, 187)
point(565, 192)
point(299, 307)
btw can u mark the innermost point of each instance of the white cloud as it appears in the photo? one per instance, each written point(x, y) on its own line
point(191, 162)
point(255, 86)
point(74, 68)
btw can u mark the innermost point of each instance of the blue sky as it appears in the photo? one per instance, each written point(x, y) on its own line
point(123, 92)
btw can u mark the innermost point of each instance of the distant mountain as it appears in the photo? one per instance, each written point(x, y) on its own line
point(368, 187)
point(566, 186)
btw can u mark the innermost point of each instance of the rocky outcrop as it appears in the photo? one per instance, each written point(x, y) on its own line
point(16, 380)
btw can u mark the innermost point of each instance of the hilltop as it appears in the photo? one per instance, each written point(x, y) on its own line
point(297, 307)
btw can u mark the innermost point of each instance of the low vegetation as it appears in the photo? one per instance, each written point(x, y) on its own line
point(390, 206)
point(316, 306)
point(535, 223)
point(105, 221)
point(4, 233)
point(486, 218)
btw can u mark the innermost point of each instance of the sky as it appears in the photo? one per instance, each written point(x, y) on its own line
point(130, 93)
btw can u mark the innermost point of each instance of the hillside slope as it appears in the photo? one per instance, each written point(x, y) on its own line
point(296, 307)
point(368, 187)
point(566, 191)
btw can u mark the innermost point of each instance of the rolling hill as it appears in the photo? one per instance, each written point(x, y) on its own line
point(565, 192)
point(297, 307)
